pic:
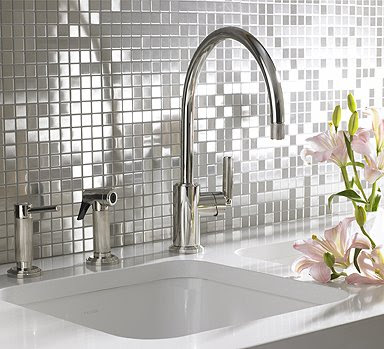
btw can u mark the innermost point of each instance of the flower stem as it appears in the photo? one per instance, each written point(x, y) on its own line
point(345, 177)
point(357, 178)
point(346, 180)
point(368, 237)
point(372, 196)
point(335, 274)
point(348, 186)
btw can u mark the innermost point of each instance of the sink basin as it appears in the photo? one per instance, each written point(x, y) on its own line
point(168, 299)
point(280, 253)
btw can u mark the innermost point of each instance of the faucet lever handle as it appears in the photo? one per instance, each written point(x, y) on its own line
point(23, 210)
point(227, 178)
point(44, 209)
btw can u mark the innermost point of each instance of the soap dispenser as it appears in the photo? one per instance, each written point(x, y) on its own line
point(23, 240)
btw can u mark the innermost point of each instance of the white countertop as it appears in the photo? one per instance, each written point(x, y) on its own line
point(21, 328)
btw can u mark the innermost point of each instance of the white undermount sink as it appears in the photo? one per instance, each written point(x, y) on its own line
point(168, 299)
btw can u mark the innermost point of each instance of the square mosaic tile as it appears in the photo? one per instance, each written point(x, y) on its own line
point(90, 96)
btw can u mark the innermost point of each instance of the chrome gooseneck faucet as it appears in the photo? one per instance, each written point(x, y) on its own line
point(188, 202)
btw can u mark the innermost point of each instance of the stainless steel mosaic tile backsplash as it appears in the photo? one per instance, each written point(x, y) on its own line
point(90, 96)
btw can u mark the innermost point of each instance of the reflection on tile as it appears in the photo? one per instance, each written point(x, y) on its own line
point(90, 96)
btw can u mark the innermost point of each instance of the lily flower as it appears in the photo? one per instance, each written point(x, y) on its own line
point(371, 268)
point(374, 169)
point(326, 146)
point(378, 128)
point(363, 144)
point(338, 241)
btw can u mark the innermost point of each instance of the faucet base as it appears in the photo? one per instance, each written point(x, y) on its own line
point(187, 249)
point(103, 259)
point(24, 273)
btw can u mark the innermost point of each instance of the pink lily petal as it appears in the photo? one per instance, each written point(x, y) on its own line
point(363, 134)
point(378, 255)
point(339, 154)
point(319, 156)
point(374, 168)
point(362, 144)
point(357, 279)
point(302, 263)
point(321, 141)
point(369, 265)
point(366, 265)
point(377, 126)
point(338, 234)
point(380, 269)
point(356, 241)
point(333, 234)
point(375, 118)
point(372, 174)
point(360, 241)
point(310, 248)
point(380, 135)
point(320, 272)
point(326, 146)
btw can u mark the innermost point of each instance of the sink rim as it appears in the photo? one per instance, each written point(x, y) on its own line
point(247, 328)
point(178, 269)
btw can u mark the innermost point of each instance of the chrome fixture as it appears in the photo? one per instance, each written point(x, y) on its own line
point(100, 199)
point(23, 240)
point(188, 202)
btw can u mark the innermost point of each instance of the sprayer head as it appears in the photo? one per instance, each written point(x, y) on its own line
point(104, 196)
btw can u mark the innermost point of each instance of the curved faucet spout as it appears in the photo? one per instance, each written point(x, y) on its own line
point(188, 202)
point(268, 70)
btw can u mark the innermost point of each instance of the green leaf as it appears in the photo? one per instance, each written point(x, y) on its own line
point(357, 252)
point(356, 163)
point(376, 202)
point(348, 145)
point(349, 194)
